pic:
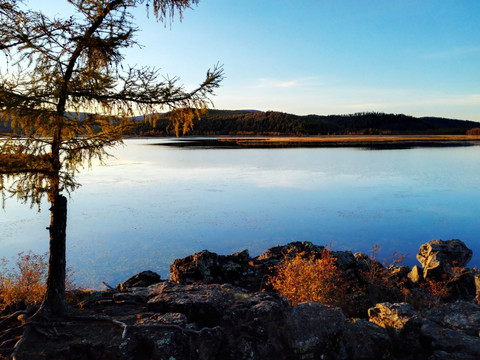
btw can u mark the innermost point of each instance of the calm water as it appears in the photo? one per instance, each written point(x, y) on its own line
point(152, 204)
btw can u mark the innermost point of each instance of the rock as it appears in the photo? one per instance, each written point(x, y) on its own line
point(266, 262)
point(135, 294)
point(366, 340)
point(213, 310)
point(344, 259)
point(143, 279)
point(210, 268)
point(254, 325)
point(441, 257)
point(403, 325)
point(459, 316)
point(199, 267)
point(202, 304)
point(173, 318)
point(415, 275)
point(398, 272)
point(365, 263)
point(315, 331)
point(290, 249)
point(477, 287)
point(461, 285)
point(449, 344)
point(392, 315)
point(255, 328)
point(243, 271)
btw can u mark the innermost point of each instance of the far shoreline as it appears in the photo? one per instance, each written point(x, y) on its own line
point(361, 141)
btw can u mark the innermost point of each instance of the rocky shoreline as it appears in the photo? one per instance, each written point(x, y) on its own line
point(218, 307)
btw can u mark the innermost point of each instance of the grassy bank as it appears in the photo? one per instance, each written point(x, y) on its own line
point(373, 141)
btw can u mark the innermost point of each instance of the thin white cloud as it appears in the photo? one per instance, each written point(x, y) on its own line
point(285, 84)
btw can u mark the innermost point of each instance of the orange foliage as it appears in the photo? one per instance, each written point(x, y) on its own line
point(300, 280)
point(440, 289)
point(23, 282)
point(382, 284)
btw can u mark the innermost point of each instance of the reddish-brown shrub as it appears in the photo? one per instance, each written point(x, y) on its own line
point(24, 281)
point(307, 279)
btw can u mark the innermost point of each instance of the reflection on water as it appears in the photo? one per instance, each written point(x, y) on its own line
point(153, 204)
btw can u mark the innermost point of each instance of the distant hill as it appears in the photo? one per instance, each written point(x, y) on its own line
point(252, 122)
point(271, 123)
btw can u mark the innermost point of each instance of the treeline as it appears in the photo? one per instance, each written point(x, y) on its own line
point(250, 122)
point(272, 123)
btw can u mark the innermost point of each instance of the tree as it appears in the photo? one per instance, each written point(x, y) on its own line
point(67, 96)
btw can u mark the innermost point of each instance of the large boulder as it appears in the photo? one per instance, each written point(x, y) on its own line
point(403, 325)
point(366, 340)
point(202, 304)
point(315, 331)
point(448, 344)
point(440, 257)
point(143, 279)
point(395, 316)
point(279, 252)
point(459, 316)
point(210, 268)
point(450, 331)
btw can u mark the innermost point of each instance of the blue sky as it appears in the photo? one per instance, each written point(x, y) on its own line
point(325, 57)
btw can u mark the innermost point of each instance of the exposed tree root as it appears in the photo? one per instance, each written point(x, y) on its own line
point(7, 320)
point(24, 337)
point(14, 331)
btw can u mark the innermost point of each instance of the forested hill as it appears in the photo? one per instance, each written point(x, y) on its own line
point(250, 122)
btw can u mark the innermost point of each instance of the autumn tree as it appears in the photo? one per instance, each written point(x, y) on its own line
point(67, 96)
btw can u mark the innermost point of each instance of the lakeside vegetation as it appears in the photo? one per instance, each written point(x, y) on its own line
point(364, 141)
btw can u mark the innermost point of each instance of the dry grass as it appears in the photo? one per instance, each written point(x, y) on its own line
point(25, 279)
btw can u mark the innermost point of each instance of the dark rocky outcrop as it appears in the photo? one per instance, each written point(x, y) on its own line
point(213, 321)
point(209, 268)
point(241, 270)
point(206, 314)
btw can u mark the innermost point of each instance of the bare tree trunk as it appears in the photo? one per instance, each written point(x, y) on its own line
point(54, 302)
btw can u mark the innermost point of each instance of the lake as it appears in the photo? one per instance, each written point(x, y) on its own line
point(152, 203)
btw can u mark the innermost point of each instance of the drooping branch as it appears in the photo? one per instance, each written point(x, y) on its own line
point(143, 88)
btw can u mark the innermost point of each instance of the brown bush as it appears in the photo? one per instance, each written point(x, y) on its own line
point(25, 281)
point(307, 279)
point(473, 131)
